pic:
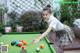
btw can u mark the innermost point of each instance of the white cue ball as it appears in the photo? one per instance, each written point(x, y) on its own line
point(38, 49)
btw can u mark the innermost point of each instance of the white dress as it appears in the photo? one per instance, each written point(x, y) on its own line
point(55, 23)
point(57, 26)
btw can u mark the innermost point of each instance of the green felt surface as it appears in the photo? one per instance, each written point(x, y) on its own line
point(31, 48)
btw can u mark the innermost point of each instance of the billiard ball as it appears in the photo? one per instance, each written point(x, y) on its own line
point(20, 40)
point(42, 46)
point(13, 43)
point(38, 50)
point(24, 42)
point(23, 47)
point(16, 43)
point(20, 44)
point(23, 51)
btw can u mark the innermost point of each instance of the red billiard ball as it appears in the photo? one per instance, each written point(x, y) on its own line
point(23, 47)
point(20, 44)
point(42, 46)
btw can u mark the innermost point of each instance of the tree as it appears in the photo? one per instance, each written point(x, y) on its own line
point(32, 21)
point(3, 10)
point(68, 9)
point(12, 23)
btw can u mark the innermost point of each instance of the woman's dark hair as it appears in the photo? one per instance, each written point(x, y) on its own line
point(48, 8)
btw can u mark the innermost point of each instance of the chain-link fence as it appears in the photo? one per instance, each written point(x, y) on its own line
point(21, 6)
point(25, 13)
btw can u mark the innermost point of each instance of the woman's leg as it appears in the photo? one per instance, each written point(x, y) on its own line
point(70, 33)
point(53, 39)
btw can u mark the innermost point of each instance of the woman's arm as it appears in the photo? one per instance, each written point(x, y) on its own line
point(42, 35)
point(45, 33)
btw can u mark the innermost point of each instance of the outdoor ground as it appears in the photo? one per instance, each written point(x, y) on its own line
point(73, 51)
point(75, 45)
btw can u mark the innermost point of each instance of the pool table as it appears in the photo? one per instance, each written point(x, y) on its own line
point(30, 48)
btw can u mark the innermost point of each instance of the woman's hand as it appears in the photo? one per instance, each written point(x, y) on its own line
point(35, 41)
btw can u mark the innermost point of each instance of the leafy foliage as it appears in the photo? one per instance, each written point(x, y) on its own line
point(69, 12)
point(3, 10)
point(13, 20)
